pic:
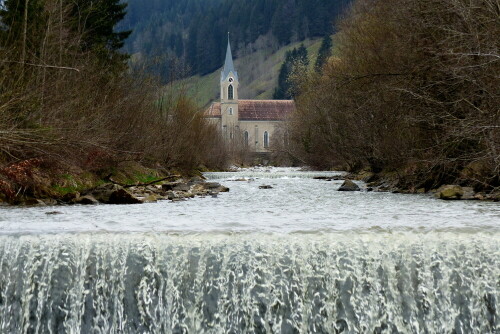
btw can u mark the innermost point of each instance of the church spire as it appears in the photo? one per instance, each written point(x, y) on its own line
point(228, 64)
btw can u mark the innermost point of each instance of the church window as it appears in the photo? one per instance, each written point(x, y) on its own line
point(230, 111)
point(266, 139)
point(230, 92)
point(246, 138)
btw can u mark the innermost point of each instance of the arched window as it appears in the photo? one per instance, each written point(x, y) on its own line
point(246, 138)
point(230, 92)
point(266, 139)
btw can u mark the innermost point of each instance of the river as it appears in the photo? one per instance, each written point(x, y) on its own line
point(298, 258)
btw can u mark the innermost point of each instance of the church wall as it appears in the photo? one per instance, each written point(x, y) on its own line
point(256, 131)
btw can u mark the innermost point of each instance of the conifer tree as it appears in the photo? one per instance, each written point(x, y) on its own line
point(325, 51)
point(95, 21)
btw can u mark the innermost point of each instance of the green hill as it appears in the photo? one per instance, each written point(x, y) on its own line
point(258, 73)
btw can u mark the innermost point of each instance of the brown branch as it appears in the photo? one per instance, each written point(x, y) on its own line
point(170, 177)
point(40, 65)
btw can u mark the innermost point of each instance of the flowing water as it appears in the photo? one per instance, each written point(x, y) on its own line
point(298, 258)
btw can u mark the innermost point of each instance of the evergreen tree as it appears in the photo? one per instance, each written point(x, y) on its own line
point(21, 25)
point(294, 60)
point(95, 21)
point(325, 51)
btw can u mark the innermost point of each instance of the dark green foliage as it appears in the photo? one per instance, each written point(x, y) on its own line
point(294, 60)
point(325, 51)
point(12, 28)
point(96, 22)
point(200, 27)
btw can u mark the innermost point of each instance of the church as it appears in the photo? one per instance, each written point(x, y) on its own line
point(254, 121)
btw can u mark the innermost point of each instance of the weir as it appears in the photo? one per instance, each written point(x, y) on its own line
point(299, 257)
point(265, 283)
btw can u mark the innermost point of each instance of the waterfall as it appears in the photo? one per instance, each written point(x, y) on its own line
point(346, 282)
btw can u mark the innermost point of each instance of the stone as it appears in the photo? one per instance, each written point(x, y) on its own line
point(211, 185)
point(468, 193)
point(34, 201)
point(69, 197)
point(349, 185)
point(265, 186)
point(54, 213)
point(182, 187)
point(121, 196)
point(450, 192)
point(85, 200)
point(103, 192)
point(150, 199)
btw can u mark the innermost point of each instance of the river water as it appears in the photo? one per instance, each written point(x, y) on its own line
point(298, 258)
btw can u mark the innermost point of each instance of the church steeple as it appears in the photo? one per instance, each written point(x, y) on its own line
point(228, 64)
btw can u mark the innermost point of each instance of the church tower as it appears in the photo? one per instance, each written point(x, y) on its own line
point(229, 96)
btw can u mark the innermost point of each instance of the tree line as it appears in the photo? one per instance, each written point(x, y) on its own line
point(412, 88)
point(68, 97)
point(192, 34)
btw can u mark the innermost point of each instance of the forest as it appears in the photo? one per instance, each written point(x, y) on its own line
point(178, 38)
point(412, 89)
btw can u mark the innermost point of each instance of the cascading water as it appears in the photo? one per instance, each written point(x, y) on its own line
point(308, 277)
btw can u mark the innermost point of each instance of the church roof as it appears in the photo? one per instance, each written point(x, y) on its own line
point(213, 111)
point(265, 110)
point(257, 110)
point(228, 64)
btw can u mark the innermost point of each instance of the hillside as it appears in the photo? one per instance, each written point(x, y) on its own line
point(257, 71)
point(178, 37)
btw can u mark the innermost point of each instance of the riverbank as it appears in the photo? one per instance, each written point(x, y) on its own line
point(32, 182)
point(408, 183)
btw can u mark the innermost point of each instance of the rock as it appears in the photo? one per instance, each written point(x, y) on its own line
point(121, 196)
point(49, 201)
point(170, 195)
point(349, 185)
point(421, 191)
point(69, 197)
point(182, 187)
point(266, 186)
point(450, 192)
point(54, 213)
point(468, 193)
point(103, 192)
point(241, 180)
point(113, 194)
point(480, 196)
point(33, 201)
point(150, 199)
point(169, 186)
point(85, 200)
point(211, 185)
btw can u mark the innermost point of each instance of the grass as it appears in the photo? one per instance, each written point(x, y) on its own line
point(258, 74)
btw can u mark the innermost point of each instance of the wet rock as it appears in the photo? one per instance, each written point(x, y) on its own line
point(49, 201)
point(214, 186)
point(349, 185)
point(468, 193)
point(266, 186)
point(182, 187)
point(150, 199)
point(450, 192)
point(69, 197)
point(121, 196)
point(85, 200)
point(169, 186)
point(54, 213)
point(33, 201)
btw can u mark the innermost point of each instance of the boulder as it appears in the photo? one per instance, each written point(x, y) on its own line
point(121, 196)
point(182, 187)
point(349, 185)
point(150, 199)
point(85, 200)
point(468, 193)
point(113, 194)
point(265, 186)
point(450, 192)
